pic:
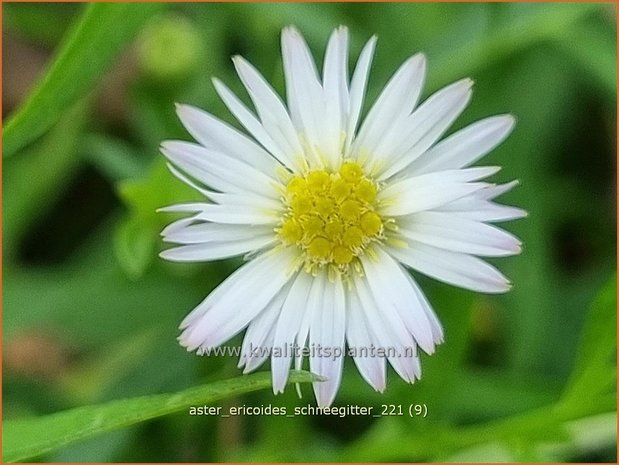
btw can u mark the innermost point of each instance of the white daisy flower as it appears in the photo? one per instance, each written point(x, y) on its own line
point(330, 217)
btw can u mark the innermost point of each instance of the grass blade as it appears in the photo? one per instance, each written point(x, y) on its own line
point(23, 439)
point(89, 48)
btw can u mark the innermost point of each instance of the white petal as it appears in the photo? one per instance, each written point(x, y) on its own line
point(256, 202)
point(486, 211)
point(237, 214)
point(437, 328)
point(448, 176)
point(430, 190)
point(253, 125)
point(247, 199)
point(178, 225)
point(425, 196)
point(253, 361)
point(327, 332)
point(189, 233)
point(360, 337)
point(451, 232)
point(314, 304)
point(190, 182)
point(466, 146)
point(335, 84)
point(368, 295)
point(357, 90)
point(233, 212)
point(287, 328)
point(258, 340)
point(390, 287)
point(478, 206)
point(395, 102)
point(455, 268)
point(427, 124)
point(239, 299)
point(270, 109)
point(492, 192)
point(492, 212)
point(215, 134)
point(192, 207)
point(218, 250)
point(219, 171)
point(389, 331)
point(305, 95)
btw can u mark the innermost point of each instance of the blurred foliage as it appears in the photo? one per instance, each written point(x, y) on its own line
point(86, 53)
point(90, 313)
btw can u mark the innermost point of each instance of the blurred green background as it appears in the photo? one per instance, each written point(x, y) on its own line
point(90, 313)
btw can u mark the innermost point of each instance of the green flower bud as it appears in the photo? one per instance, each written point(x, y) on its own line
point(170, 48)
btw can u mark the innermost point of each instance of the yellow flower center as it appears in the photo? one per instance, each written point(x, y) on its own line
point(331, 217)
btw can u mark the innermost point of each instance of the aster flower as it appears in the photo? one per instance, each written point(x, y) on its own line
point(330, 213)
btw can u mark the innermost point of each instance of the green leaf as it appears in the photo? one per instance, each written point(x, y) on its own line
point(594, 375)
point(113, 157)
point(135, 245)
point(23, 439)
point(25, 21)
point(35, 180)
point(545, 22)
point(592, 47)
point(83, 57)
point(137, 236)
point(599, 335)
point(159, 188)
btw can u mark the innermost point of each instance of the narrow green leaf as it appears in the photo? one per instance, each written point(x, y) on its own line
point(53, 160)
point(83, 57)
point(23, 439)
point(546, 23)
point(113, 157)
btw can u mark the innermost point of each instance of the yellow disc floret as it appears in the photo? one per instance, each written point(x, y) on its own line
point(331, 216)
